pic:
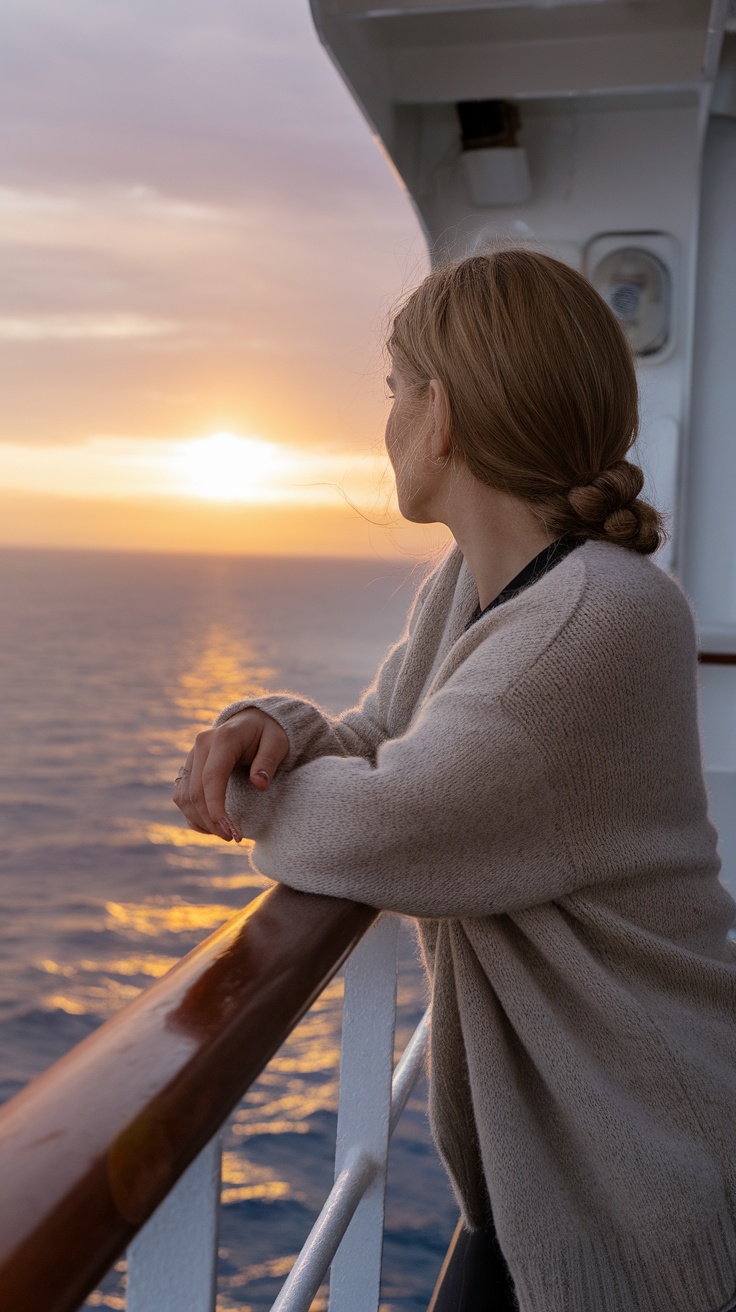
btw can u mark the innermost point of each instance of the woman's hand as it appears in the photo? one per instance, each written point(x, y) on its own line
point(248, 738)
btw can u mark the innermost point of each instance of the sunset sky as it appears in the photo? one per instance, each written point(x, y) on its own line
point(200, 247)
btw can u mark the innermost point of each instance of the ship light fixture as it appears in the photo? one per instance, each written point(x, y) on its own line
point(495, 168)
point(637, 286)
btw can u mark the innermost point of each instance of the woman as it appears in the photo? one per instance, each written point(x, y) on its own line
point(524, 777)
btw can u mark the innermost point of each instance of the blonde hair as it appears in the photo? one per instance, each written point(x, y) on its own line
point(541, 389)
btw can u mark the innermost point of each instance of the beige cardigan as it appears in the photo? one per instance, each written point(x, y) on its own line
point(532, 791)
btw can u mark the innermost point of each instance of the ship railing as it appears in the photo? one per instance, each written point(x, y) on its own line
point(116, 1146)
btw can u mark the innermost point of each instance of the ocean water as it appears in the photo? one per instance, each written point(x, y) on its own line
point(109, 663)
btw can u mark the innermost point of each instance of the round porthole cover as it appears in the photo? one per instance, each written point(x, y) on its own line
point(637, 286)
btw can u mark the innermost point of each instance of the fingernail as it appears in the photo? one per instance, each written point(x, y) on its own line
point(225, 830)
point(234, 831)
point(261, 774)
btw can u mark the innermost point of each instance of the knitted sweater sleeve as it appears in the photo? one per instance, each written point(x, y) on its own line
point(456, 818)
point(312, 732)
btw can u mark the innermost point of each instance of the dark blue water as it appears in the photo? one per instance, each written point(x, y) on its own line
point(108, 666)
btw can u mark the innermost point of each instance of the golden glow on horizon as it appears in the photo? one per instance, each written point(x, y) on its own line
point(189, 525)
point(222, 467)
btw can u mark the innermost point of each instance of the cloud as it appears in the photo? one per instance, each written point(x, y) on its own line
point(80, 327)
point(229, 99)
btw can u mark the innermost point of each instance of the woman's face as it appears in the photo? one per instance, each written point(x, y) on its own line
point(407, 437)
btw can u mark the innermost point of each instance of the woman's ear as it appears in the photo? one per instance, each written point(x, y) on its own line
point(439, 415)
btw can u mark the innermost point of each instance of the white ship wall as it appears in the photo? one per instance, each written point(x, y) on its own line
point(599, 173)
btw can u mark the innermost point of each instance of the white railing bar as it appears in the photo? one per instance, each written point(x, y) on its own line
point(172, 1263)
point(323, 1240)
point(320, 1247)
point(408, 1070)
point(366, 1070)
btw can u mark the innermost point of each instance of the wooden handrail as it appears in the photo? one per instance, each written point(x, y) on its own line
point(90, 1148)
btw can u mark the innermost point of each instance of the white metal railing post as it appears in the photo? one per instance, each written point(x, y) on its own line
point(172, 1263)
point(364, 1115)
point(352, 1216)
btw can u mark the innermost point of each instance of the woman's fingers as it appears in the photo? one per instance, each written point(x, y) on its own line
point(181, 796)
point(198, 828)
point(251, 737)
point(232, 743)
point(216, 754)
point(189, 792)
point(272, 748)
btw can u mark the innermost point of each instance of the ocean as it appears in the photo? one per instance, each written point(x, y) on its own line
point(109, 664)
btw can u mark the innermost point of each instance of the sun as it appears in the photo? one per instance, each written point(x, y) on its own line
point(225, 467)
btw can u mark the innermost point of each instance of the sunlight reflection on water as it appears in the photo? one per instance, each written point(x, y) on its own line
point(222, 672)
point(156, 916)
point(115, 664)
